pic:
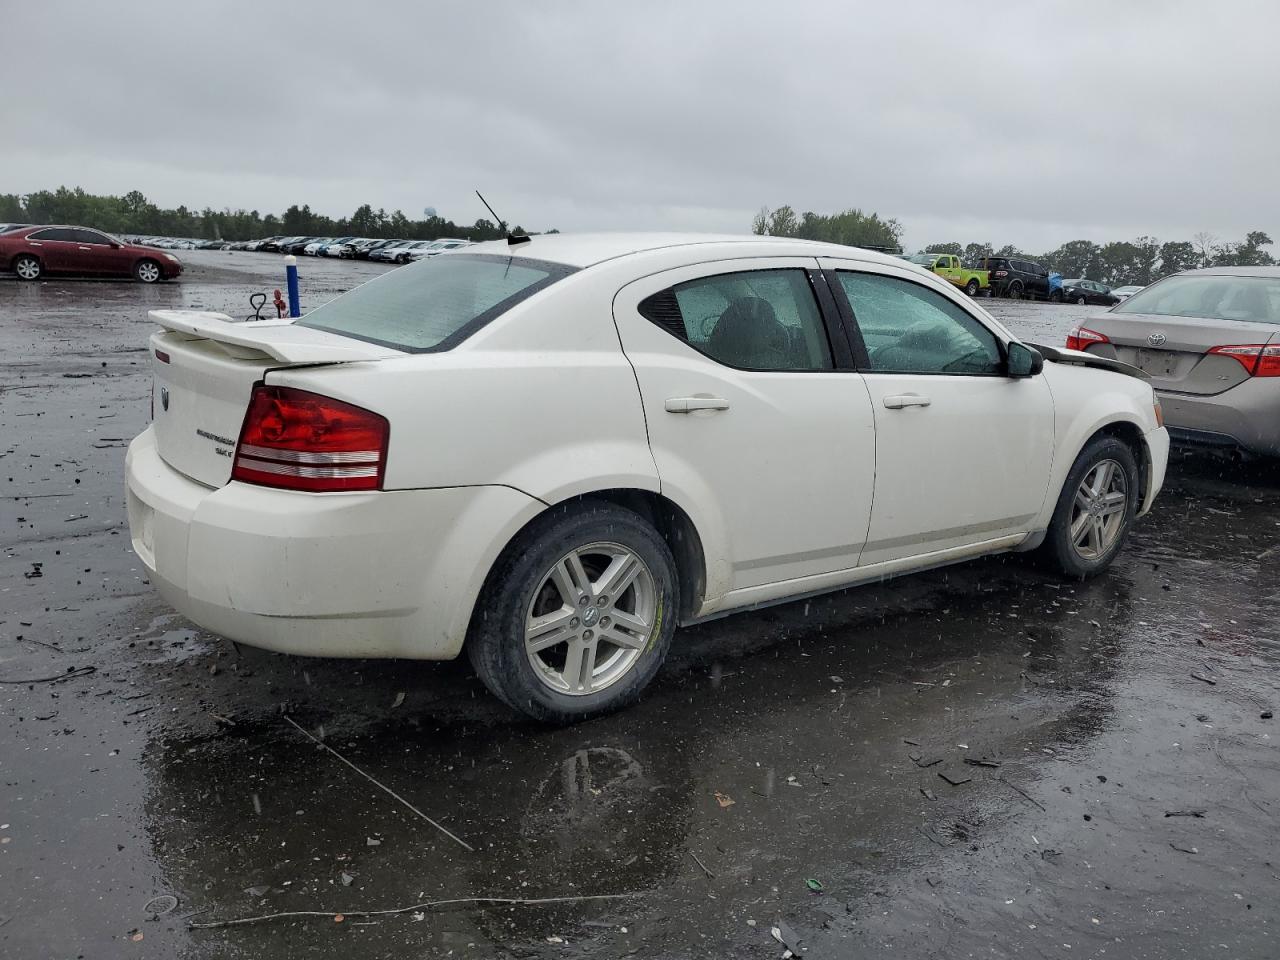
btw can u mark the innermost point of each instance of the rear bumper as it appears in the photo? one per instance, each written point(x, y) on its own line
point(1247, 416)
point(383, 574)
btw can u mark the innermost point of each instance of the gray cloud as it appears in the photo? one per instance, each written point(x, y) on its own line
point(1030, 124)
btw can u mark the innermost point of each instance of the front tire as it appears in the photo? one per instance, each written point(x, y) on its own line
point(147, 271)
point(577, 615)
point(1081, 300)
point(27, 267)
point(1095, 509)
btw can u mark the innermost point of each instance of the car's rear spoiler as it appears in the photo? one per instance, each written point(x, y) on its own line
point(281, 340)
point(1081, 359)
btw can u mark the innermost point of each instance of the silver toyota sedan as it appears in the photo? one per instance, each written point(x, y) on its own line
point(1210, 341)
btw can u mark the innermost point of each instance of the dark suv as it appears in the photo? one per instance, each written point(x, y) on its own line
point(1011, 277)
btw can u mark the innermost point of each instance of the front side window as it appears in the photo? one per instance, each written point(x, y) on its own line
point(908, 328)
point(753, 320)
point(1210, 297)
point(93, 236)
point(435, 303)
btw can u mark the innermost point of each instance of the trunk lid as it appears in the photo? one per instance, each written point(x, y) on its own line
point(1174, 351)
point(205, 366)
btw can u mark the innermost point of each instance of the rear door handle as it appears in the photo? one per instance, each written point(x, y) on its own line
point(84, 248)
point(690, 404)
point(906, 400)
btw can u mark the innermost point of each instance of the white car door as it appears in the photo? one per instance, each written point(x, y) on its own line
point(963, 451)
point(758, 425)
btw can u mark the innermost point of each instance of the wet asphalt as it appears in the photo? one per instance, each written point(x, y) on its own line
point(812, 764)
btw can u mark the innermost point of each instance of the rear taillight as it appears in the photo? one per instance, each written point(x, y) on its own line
point(1082, 337)
point(300, 440)
point(1258, 359)
point(1001, 273)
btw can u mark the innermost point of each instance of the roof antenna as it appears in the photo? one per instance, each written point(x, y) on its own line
point(512, 239)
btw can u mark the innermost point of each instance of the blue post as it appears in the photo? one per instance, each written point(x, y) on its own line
point(291, 276)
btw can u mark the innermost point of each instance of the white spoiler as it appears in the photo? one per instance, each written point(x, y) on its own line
point(281, 340)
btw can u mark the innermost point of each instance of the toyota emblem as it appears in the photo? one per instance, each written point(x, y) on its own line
point(164, 398)
point(1156, 339)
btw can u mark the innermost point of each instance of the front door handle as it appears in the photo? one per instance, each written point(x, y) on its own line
point(690, 404)
point(906, 400)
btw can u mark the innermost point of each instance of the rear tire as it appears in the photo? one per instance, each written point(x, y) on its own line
point(549, 639)
point(1014, 291)
point(971, 288)
point(1094, 511)
point(27, 267)
point(1081, 300)
point(147, 271)
point(1056, 296)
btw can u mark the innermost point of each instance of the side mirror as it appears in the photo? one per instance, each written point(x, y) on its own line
point(115, 246)
point(1022, 361)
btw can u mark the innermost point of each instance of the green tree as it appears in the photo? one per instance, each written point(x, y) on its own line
point(1076, 258)
point(974, 252)
point(1176, 256)
point(954, 248)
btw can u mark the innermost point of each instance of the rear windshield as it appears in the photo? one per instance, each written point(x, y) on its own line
point(1253, 299)
point(435, 303)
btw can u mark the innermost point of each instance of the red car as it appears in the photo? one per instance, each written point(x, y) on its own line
point(32, 252)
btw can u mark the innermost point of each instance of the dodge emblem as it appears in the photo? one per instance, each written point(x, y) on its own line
point(1156, 339)
point(164, 398)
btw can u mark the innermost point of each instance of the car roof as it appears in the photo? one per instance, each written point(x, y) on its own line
point(587, 249)
point(1273, 272)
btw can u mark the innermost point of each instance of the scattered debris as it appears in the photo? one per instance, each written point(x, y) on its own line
point(698, 861)
point(1266, 715)
point(320, 743)
point(724, 799)
point(1198, 814)
point(981, 762)
point(1026, 796)
point(814, 885)
point(398, 700)
point(928, 794)
point(1184, 849)
point(372, 842)
point(70, 674)
point(413, 908)
point(346, 878)
point(954, 781)
point(260, 891)
point(1203, 679)
point(912, 743)
point(787, 937)
point(159, 906)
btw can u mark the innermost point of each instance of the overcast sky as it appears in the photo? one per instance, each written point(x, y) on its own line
point(1018, 123)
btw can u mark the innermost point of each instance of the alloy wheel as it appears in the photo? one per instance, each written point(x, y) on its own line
point(1098, 511)
point(27, 268)
point(590, 618)
point(148, 272)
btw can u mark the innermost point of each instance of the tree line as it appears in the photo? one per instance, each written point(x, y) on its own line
point(133, 213)
point(1139, 261)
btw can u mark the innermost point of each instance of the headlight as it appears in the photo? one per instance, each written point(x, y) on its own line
point(173, 258)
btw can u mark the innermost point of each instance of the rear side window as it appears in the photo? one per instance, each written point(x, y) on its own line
point(752, 320)
point(908, 328)
point(56, 233)
point(435, 303)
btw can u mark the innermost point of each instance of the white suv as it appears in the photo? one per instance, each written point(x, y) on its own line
point(552, 453)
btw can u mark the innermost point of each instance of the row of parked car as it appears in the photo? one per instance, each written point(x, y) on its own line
point(1019, 279)
point(348, 248)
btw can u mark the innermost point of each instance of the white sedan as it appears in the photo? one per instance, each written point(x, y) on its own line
point(550, 454)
